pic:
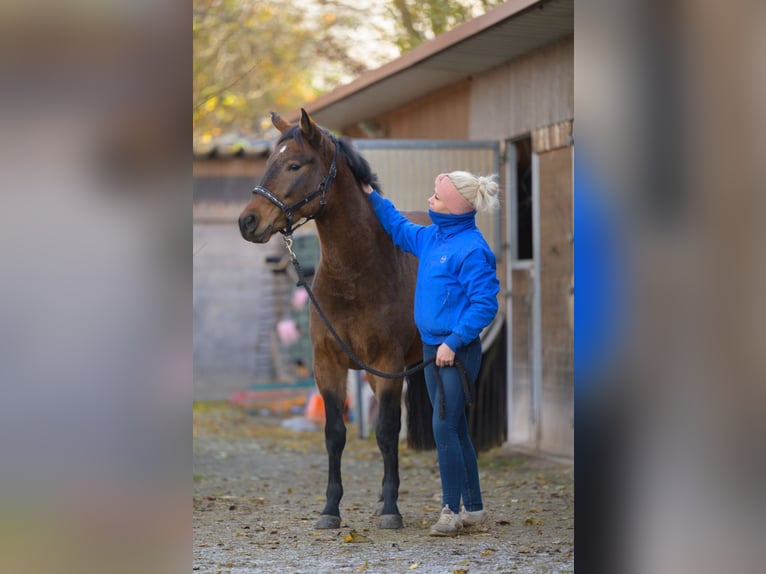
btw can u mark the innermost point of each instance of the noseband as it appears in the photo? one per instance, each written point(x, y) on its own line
point(288, 210)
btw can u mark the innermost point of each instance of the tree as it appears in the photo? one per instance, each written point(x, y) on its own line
point(420, 20)
point(248, 58)
point(255, 56)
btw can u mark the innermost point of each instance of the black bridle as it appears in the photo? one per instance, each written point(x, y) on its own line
point(288, 210)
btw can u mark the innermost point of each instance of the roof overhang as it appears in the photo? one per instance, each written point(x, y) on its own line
point(510, 30)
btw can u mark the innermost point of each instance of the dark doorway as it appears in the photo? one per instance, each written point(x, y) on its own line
point(524, 198)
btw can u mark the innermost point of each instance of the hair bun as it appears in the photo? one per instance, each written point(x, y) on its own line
point(487, 190)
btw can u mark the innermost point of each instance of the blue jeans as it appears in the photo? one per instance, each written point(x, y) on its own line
point(457, 458)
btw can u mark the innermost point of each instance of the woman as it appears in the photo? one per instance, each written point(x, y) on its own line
point(455, 298)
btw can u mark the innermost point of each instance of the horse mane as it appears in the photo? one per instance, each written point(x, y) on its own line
point(358, 164)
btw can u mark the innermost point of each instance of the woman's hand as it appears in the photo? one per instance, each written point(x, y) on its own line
point(445, 357)
point(367, 188)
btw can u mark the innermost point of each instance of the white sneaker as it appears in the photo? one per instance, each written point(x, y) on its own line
point(472, 518)
point(449, 524)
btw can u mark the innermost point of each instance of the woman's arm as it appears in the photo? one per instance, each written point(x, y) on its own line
point(403, 232)
point(478, 277)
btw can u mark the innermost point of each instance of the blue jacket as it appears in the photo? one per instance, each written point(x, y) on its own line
point(456, 292)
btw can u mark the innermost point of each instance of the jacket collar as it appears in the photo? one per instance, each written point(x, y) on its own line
point(450, 224)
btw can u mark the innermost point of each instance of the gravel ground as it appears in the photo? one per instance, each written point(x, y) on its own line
point(259, 487)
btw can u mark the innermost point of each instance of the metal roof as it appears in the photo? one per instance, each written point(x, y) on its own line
point(502, 34)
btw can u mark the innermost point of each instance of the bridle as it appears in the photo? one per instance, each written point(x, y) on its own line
point(321, 190)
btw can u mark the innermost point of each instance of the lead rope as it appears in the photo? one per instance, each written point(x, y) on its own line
point(464, 378)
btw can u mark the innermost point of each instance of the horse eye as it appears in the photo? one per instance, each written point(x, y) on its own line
point(293, 167)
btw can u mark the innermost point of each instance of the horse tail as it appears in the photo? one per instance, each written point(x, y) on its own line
point(420, 434)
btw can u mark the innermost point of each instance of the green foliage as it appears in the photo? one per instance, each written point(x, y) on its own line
point(420, 20)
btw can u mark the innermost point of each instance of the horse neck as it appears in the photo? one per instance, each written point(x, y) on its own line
point(348, 230)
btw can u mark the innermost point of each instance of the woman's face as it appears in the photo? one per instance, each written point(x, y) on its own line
point(434, 202)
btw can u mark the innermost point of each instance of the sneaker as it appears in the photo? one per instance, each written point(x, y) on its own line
point(448, 524)
point(472, 518)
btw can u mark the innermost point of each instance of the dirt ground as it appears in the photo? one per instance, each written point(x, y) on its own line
point(259, 487)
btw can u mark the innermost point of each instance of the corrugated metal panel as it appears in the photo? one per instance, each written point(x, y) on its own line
point(407, 169)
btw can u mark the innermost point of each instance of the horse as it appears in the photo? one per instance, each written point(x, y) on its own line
point(363, 284)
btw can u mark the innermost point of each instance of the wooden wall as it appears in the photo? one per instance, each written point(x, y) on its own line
point(556, 276)
point(531, 91)
point(441, 115)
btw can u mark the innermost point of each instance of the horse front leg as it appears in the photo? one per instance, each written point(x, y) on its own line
point(387, 435)
point(335, 442)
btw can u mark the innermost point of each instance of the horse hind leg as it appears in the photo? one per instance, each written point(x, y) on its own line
point(387, 435)
point(335, 442)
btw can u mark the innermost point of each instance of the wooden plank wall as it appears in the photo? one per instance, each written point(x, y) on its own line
point(441, 115)
point(531, 91)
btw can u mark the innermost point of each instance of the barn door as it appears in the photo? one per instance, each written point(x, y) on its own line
point(540, 360)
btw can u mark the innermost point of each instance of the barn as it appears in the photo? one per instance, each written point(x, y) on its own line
point(495, 95)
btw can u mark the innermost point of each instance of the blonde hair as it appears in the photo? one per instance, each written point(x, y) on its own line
point(481, 191)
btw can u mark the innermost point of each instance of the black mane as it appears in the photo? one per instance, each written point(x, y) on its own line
point(359, 165)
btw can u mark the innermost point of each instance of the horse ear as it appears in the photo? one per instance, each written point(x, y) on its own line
point(278, 122)
point(309, 127)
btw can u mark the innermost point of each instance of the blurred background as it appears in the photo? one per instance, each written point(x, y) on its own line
point(95, 300)
point(669, 328)
point(96, 345)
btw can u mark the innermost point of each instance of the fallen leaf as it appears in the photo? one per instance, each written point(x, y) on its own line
point(364, 566)
point(459, 571)
point(354, 536)
point(533, 521)
point(414, 565)
point(488, 551)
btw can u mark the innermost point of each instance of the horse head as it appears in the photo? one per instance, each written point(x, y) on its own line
point(298, 174)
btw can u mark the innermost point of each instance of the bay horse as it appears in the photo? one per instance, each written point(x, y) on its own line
point(364, 285)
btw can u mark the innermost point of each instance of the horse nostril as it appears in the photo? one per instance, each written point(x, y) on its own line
point(247, 224)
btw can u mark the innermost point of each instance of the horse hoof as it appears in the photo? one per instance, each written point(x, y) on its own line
point(327, 521)
point(391, 521)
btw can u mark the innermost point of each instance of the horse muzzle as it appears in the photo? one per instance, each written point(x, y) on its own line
point(248, 227)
